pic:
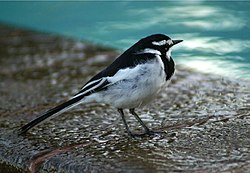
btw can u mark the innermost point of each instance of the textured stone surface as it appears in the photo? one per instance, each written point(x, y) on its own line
point(206, 119)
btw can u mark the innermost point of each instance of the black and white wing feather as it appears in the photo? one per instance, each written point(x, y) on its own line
point(100, 81)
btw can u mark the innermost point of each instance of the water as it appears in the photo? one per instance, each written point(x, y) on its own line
point(216, 34)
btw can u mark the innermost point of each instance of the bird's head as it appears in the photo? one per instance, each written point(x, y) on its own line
point(158, 42)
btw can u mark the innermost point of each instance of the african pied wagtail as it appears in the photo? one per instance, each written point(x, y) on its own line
point(131, 81)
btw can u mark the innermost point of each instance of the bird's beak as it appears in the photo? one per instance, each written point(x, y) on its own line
point(176, 42)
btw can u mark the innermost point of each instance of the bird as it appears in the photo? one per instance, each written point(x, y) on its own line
point(131, 81)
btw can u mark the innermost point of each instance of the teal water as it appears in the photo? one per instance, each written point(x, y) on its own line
point(216, 34)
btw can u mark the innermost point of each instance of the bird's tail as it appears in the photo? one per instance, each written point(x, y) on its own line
point(54, 111)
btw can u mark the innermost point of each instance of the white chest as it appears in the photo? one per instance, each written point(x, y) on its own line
point(136, 86)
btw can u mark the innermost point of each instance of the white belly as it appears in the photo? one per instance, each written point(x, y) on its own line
point(133, 87)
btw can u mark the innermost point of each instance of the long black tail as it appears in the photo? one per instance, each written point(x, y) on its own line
point(56, 110)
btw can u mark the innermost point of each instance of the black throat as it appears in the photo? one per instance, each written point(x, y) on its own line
point(169, 65)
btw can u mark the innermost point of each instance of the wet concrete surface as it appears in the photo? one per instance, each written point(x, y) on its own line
point(205, 118)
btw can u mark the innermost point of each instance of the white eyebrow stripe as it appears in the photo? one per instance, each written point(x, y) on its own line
point(162, 42)
point(159, 43)
point(169, 42)
point(148, 50)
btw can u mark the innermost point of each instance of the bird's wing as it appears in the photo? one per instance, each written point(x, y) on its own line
point(100, 81)
point(93, 86)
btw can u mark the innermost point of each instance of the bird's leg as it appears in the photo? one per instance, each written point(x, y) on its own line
point(147, 131)
point(124, 121)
